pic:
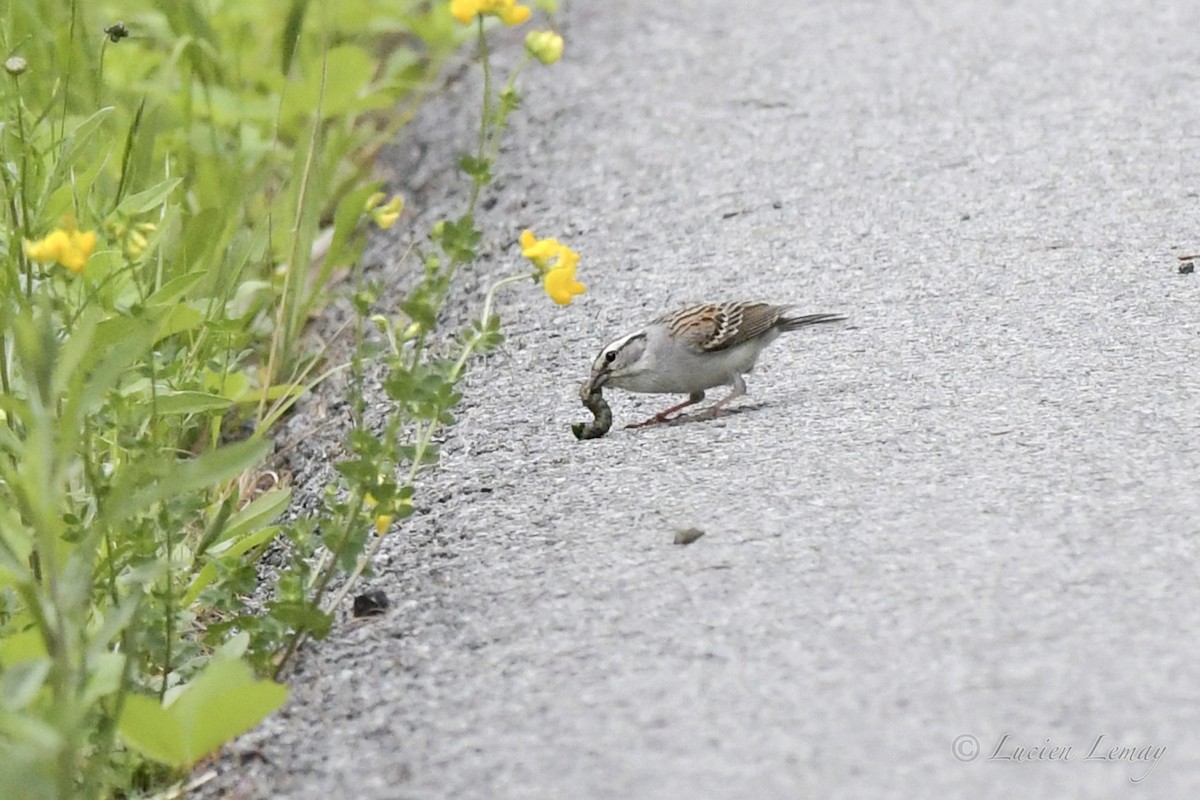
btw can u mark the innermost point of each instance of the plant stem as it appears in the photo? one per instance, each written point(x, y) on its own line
point(328, 570)
point(4, 387)
point(23, 223)
point(168, 607)
point(293, 282)
point(486, 120)
point(501, 121)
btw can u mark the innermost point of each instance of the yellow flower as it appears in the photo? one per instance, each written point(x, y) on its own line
point(527, 240)
point(545, 46)
point(382, 523)
point(540, 251)
point(561, 285)
point(67, 246)
point(567, 259)
point(512, 14)
point(509, 11)
point(47, 249)
point(385, 216)
point(556, 264)
point(464, 10)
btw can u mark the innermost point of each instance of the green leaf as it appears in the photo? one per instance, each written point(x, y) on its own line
point(216, 525)
point(345, 223)
point(16, 544)
point(225, 700)
point(176, 288)
point(420, 311)
point(151, 198)
point(234, 647)
point(76, 148)
point(234, 385)
point(202, 233)
point(478, 169)
point(348, 70)
point(293, 24)
point(460, 239)
point(301, 617)
point(21, 683)
point(262, 510)
point(428, 456)
point(76, 350)
point(133, 145)
point(62, 200)
point(104, 676)
point(232, 550)
point(191, 403)
point(180, 318)
point(202, 580)
point(110, 622)
point(36, 349)
point(187, 475)
point(24, 645)
point(246, 543)
point(119, 343)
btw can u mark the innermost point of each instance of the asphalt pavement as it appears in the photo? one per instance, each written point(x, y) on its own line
point(950, 546)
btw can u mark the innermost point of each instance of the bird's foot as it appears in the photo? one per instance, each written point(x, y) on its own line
point(665, 415)
point(657, 419)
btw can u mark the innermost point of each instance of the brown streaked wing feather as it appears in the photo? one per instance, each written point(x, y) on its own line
point(755, 320)
point(694, 326)
point(718, 326)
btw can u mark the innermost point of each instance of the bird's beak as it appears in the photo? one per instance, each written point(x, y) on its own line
point(596, 381)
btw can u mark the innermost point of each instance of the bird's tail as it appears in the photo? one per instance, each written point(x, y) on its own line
point(796, 323)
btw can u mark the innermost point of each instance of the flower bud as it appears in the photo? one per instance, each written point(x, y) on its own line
point(545, 46)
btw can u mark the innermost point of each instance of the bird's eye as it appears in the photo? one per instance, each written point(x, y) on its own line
point(610, 356)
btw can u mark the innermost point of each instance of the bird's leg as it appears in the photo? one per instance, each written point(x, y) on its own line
point(693, 398)
point(713, 411)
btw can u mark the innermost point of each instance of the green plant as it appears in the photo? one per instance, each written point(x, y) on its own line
point(175, 202)
point(377, 481)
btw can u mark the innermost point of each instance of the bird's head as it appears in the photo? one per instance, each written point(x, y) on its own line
point(619, 359)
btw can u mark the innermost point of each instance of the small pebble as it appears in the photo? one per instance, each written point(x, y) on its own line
point(688, 535)
point(370, 604)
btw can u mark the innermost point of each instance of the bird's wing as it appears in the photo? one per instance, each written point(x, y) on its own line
point(719, 326)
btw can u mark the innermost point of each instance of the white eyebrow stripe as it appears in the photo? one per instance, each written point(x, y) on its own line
point(616, 346)
point(620, 344)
